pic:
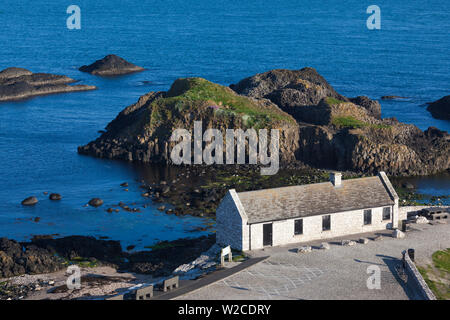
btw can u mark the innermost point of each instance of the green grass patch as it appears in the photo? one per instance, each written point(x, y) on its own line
point(161, 245)
point(441, 260)
point(353, 123)
point(437, 277)
point(331, 101)
point(348, 122)
point(237, 255)
point(187, 93)
point(82, 262)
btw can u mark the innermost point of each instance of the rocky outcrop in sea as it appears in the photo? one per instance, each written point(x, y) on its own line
point(142, 131)
point(320, 127)
point(111, 65)
point(348, 134)
point(18, 83)
point(440, 109)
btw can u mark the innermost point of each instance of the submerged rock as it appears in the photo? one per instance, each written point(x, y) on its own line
point(95, 202)
point(30, 201)
point(111, 65)
point(55, 196)
point(440, 109)
point(18, 83)
point(392, 97)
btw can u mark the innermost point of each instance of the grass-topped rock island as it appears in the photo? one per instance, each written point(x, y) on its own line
point(319, 127)
point(142, 131)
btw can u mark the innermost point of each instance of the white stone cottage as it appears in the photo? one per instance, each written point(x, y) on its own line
point(272, 217)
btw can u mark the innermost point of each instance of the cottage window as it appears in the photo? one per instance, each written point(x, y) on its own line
point(298, 226)
point(387, 213)
point(326, 223)
point(367, 217)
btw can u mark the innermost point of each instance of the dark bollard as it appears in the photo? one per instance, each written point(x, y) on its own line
point(403, 259)
point(404, 226)
point(411, 254)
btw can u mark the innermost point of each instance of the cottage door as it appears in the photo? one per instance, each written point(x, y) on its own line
point(267, 234)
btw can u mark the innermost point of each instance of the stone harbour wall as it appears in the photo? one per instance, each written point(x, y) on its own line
point(415, 280)
point(404, 211)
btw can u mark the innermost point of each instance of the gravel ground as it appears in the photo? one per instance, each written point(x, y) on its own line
point(338, 273)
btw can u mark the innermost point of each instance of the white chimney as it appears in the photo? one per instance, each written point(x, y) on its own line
point(336, 178)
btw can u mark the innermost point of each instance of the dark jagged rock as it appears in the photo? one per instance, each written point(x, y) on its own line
point(166, 256)
point(348, 134)
point(440, 109)
point(372, 106)
point(263, 84)
point(45, 255)
point(294, 91)
point(111, 65)
point(30, 201)
point(17, 259)
point(81, 246)
point(17, 83)
point(142, 131)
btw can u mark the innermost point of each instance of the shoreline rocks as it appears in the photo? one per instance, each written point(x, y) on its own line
point(111, 65)
point(44, 255)
point(440, 109)
point(18, 83)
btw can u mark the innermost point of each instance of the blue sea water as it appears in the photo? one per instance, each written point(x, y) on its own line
point(223, 41)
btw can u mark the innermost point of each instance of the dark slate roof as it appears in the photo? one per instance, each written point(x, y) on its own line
point(314, 199)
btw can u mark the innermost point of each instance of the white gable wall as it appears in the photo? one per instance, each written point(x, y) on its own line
point(231, 223)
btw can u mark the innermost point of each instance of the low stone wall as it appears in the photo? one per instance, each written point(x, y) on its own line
point(404, 211)
point(415, 279)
